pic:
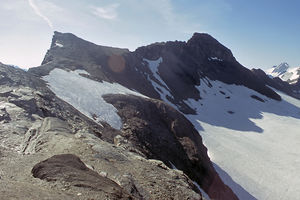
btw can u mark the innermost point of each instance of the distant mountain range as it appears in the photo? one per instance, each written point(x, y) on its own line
point(285, 72)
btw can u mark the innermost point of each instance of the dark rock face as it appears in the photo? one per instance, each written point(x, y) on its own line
point(217, 63)
point(160, 132)
point(69, 168)
point(82, 49)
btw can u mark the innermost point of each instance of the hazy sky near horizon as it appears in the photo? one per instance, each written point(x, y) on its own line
point(260, 33)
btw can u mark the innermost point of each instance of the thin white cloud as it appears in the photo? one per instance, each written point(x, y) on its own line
point(39, 13)
point(106, 12)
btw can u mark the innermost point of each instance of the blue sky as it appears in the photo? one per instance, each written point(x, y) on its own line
point(261, 33)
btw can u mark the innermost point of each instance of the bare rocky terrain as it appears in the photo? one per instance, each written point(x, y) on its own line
point(50, 151)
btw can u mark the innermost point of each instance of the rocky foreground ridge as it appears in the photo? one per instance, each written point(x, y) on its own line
point(49, 150)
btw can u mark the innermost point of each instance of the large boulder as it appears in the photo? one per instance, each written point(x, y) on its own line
point(69, 168)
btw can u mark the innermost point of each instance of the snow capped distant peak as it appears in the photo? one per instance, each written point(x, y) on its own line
point(281, 69)
point(284, 72)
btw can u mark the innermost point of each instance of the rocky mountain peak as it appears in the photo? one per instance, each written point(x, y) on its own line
point(67, 45)
point(285, 73)
point(280, 69)
point(205, 45)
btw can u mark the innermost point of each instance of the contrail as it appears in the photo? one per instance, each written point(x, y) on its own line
point(38, 12)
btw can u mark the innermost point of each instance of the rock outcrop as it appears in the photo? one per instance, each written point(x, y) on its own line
point(70, 169)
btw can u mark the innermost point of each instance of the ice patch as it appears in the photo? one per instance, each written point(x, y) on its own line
point(153, 66)
point(86, 95)
point(59, 44)
point(215, 59)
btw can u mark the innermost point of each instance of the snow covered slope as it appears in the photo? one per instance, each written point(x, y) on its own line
point(284, 72)
point(86, 95)
point(158, 84)
point(253, 140)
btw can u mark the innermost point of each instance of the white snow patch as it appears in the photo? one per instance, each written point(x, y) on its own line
point(285, 73)
point(295, 73)
point(59, 44)
point(153, 66)
point(159, 85)
point(86, 95)
point(257, 144)
point(215, 59)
